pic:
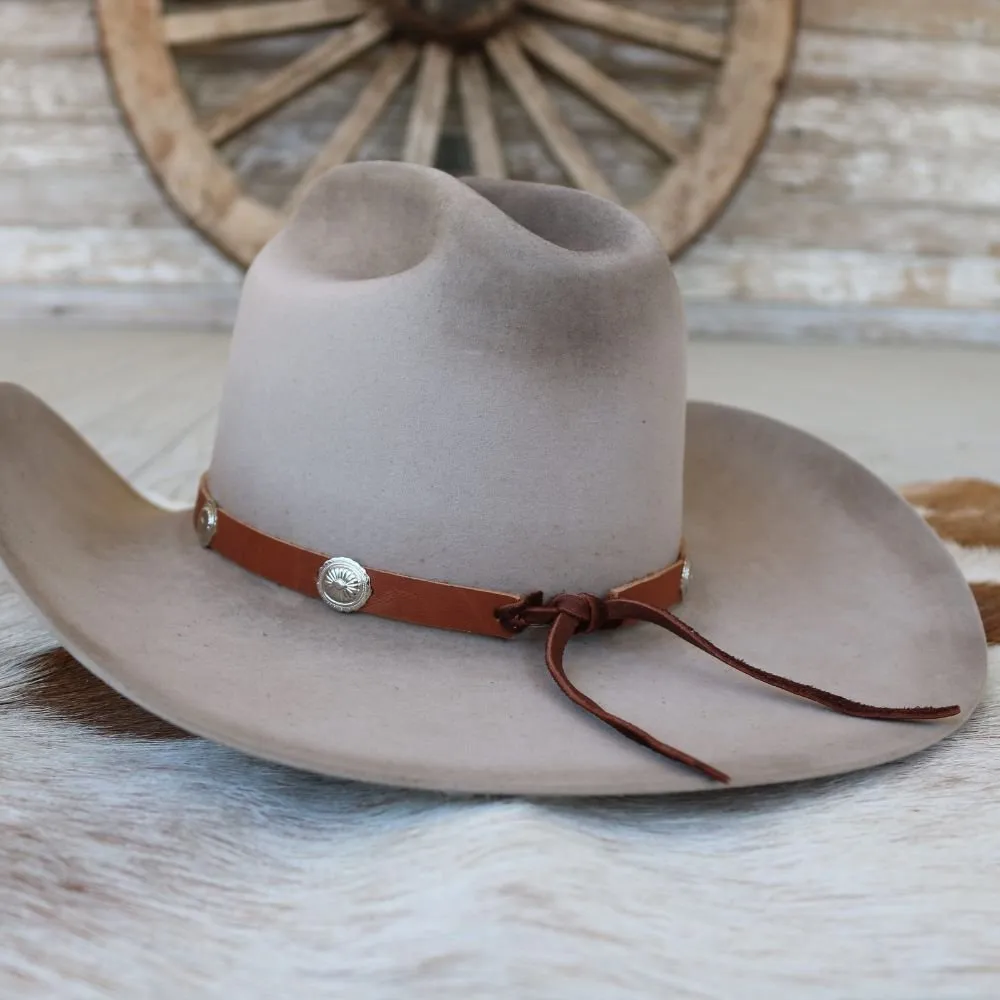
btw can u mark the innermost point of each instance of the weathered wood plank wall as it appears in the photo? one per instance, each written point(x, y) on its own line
point(877, 194)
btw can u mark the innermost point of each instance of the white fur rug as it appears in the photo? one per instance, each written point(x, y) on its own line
point(136, 863)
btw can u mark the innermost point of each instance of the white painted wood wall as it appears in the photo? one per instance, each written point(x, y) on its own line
point(873, 211)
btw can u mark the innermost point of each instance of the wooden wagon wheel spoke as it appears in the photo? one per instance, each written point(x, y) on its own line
point(559, 137)
point(601, 89)
point(480, 122)
point(423, 131)
point(200, 27)
point(355, 125)
point(636, 26)
point(297, 76)
point(483, 42)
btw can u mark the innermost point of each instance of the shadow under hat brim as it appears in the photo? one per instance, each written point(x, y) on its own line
point(803, 563)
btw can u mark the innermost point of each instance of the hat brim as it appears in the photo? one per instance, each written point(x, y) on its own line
point(803, 563)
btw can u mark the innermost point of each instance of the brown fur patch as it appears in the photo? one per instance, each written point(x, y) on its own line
point(964, 511)
point(967, 528)
point(954, 495)
point(988, 598)
point(967, 512)
point(61, 687)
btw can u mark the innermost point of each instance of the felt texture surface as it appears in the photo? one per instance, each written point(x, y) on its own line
point(484, 383)
point(804, 563)
point(479, 384)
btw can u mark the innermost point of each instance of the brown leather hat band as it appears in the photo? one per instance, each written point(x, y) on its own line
point(402, 598)
point(489, 612)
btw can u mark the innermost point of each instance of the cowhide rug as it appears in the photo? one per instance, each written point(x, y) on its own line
point(138, 862)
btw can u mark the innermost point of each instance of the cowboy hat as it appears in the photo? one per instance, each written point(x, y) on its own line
point(456, 410)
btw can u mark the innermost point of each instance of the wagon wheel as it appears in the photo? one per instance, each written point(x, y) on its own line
point(491, 49)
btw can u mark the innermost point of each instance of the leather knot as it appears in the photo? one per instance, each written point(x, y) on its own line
point(577, 614)
point(589, 612)
point(525, 613)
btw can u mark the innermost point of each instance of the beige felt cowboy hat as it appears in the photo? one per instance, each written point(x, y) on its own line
point(444, 401)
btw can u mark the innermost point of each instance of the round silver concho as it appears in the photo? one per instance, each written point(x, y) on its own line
point(685, 578)
point(344, 584)
point(207, 522)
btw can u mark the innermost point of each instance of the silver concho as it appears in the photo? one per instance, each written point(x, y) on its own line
point(685, 578)
point(207, 522)
point(344, 584)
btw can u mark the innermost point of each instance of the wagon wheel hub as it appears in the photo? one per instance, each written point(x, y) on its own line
point(449, 21)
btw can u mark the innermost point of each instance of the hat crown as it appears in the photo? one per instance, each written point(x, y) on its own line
point(481, 382)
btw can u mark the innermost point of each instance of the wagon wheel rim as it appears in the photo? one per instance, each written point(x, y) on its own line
point(701, 173)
